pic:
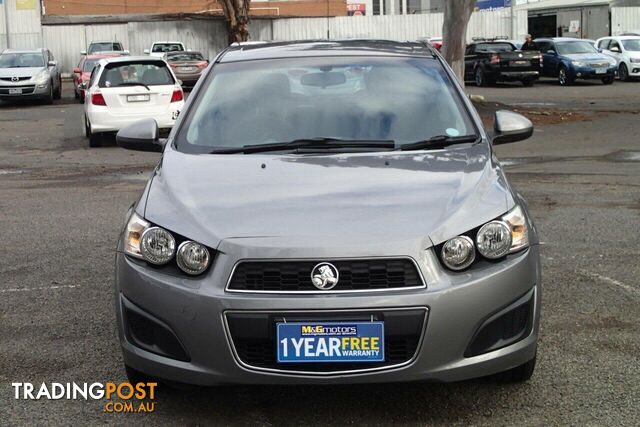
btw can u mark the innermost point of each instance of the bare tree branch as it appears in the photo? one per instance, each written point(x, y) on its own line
point(454, 33)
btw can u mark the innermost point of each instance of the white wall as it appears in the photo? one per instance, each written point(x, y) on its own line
point(24, 26)
point(625, 19)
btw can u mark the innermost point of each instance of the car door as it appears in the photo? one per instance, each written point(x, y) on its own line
point(614, 50)
point(469, 61)
point(551, 59)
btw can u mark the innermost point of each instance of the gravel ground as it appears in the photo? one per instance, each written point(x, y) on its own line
point(62, 206)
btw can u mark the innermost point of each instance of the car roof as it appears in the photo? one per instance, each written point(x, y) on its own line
point(167, 41)
point(621, 37)
point(37, 50)
point(104, 55)
point(560, 39)
point(140, 58)
point(318, 48)
point(181, 52)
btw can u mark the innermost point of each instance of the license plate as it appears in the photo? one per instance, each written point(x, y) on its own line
point(601, 70)
point(330, 342)
point(15, 91)
point(137, 98)
point(187, 69)
point(520, 63)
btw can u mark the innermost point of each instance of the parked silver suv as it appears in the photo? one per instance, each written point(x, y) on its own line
point(32, 73)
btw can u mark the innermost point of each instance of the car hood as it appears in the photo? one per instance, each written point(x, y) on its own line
point(392, 195)
point(20, 72)
point(588, 57)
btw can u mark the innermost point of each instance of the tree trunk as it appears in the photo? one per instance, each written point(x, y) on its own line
point(454, 33)
point(236, 13)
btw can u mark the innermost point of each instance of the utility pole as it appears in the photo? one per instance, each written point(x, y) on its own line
point(6, 22)
point(514, 25)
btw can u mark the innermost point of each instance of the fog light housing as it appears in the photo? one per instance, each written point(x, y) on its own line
point(192, 257)
point(458, 253)
point(494, 240)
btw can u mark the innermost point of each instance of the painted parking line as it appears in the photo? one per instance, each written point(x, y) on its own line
point(613, 282)
point(45, 288)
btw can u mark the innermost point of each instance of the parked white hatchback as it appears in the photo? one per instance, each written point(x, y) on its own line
point(625, 50)
point(124, 90)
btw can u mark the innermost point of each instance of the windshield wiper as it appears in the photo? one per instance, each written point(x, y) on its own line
point(133, 84)
point(439, 141)
point(314, 143)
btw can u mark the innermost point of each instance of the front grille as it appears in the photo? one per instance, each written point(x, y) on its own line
point(11, 79)
point(253, 336)
point(354, 275)
point(600, 64)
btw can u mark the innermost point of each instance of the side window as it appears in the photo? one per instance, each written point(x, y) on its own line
point(94, 75)
point(604, 44)
point(470, 49)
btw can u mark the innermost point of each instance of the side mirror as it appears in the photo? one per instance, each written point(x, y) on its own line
point(140, 136)
point(147, 51)
point(615, 49)
point(551, 52)
point(77, 71)
point(83, 52)
point(180, 82)
point(511, 127)
point(52, 63)
point(125, 52)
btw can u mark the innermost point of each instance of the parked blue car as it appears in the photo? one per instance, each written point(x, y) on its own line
point(569, 59)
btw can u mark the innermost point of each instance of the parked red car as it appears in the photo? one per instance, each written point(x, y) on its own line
point(82, 73)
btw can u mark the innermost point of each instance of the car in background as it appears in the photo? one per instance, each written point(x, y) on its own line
point(82, 73)
point(626, 51)
point(160, 48)
point(104, 46)
point(29, 74)
point(126, 89)
point(568, 59)
point(434, 41)
point(489, 61)
point(187, 66)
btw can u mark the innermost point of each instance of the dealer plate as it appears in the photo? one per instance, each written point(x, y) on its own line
point(187, 69)
point(15, 91)
point(519, 63)
point(138, 98)
point(601, 70)
point(330, 342)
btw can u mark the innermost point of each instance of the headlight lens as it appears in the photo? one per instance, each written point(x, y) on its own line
point(157, 245)
point(578, 63)
point(193, 258)
point(634, 60)
point(41, 77)
point(458, 253)
point(519, 230)
point(133, 234)
point(494, 240)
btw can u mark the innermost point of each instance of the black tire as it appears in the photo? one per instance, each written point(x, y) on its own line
point(608, 80)
point(136, 376)
point(57, 94)
point(95, 139)
point(480, 77)
point(563, 77)
point(76, 95)
point(528, 82)
point(623, 72)
point(49, 98)
point(519, 374)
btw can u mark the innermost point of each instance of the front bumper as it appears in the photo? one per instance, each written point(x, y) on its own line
point(456, 306)
point(590, 73)
point(518, 75)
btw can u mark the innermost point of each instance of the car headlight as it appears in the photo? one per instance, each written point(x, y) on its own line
point(192, 257)
point(494, 240)
point(42, 77)
point(132, 235)
point(517, 222)
point(578, 63)
point(634, 60)
point(458, 253)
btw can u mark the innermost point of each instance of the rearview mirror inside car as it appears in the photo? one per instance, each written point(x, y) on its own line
point(143, 135)
point(511, 127)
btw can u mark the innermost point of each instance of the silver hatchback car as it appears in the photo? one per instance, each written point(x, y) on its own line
point(328, 212)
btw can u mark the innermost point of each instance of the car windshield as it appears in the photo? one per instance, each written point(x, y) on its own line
point(104, 47)
point(89, 64)
point(21, 60)
point(364, 98)
point(569, 48)
point(149, 73)
point(186, 56)
point(494, 47)
point(632, 45)
point(167, 47)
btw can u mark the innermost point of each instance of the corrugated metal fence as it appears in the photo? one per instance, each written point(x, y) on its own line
point(24, 26)
point(625, 19)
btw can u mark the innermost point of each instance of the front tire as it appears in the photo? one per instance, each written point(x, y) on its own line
point(623, 72)
point(480, 78)
point(57, 94)
point(528, 82)
point(519, 374)
point(608, 80)
point(49, 98)
point(563, 77)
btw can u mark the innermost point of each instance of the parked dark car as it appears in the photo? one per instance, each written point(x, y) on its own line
point(568, 59)
point(488, 61)
point(187, 66)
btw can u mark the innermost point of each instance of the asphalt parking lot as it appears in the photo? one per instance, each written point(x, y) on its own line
point(62, 206)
